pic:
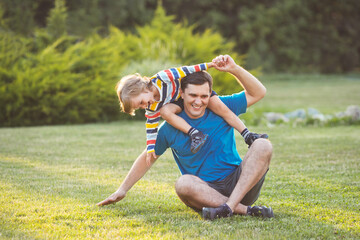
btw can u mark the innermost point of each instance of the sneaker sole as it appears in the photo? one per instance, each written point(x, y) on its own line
point(269, 213)
point(200, 145)
point(206, 214)
point(264, 136)
point(265, 212)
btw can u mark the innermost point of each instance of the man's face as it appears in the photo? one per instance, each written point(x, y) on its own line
point(196, 99)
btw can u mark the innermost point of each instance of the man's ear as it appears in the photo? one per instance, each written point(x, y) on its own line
point(181, 93)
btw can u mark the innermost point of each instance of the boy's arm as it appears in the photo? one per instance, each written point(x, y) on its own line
point(221, 109)
point(137, 171)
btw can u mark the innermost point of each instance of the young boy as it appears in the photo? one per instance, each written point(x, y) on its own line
point(158, 95)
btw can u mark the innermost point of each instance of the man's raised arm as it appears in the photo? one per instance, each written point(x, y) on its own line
point(254, 90)
point(137, 171)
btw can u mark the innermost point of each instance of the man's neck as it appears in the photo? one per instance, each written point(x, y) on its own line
point(192, 117)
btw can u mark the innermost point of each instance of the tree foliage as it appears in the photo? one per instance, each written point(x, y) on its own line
point(304, 35)
point(56, 22)
point(278, 35)
point(283, 35)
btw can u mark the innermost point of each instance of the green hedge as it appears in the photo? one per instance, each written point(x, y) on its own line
point(66, 80)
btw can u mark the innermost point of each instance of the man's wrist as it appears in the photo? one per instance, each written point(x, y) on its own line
point(121, 190)
point(235, 69)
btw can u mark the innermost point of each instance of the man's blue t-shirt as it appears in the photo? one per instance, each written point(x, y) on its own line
point(218, 157)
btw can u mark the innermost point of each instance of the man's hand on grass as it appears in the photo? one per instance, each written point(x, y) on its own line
point(115, 197)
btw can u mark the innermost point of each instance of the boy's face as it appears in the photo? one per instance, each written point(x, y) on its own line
point(196, 99)
point(143, 100)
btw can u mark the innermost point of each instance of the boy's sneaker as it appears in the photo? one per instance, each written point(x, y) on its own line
point(197, 141)
point(260, 211)
point(219, 212)
point(251, 137)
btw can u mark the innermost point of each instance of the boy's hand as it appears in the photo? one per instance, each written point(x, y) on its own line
point(150, 156)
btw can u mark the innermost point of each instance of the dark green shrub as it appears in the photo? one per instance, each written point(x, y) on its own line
point(61, 81)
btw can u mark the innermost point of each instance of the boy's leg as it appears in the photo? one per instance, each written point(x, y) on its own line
point(169, 111)
point(218, 107)
point(250, 137)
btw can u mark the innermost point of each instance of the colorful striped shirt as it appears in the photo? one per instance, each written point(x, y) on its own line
point(168, 84)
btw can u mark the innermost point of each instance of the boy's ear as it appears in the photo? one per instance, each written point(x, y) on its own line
point(181, 93)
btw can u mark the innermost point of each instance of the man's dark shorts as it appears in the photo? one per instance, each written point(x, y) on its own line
point(180, 101)
point(226, 186)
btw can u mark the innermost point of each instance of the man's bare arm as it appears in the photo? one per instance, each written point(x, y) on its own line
point(254, 89)
point(137, 171)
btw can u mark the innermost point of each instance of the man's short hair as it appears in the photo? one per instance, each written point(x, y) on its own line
point(197, 78)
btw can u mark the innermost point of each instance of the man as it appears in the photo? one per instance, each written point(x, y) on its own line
point(215, 179)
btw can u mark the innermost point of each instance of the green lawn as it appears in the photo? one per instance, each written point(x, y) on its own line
point(327, 93)
point(52, 177)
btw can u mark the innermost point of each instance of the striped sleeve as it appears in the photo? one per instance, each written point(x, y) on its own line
point(172, 77)
point(152, 123)
point(172, 74)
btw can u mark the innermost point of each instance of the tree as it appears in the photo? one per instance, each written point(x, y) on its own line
point(278, 35)
point(19, 15)
point(56, 22)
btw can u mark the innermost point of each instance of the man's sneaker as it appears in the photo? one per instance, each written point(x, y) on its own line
point(197, 141)
point(260, 211)
point(219, 212)
point(251, 137)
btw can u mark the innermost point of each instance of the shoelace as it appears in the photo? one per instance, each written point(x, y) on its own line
point(197, 139)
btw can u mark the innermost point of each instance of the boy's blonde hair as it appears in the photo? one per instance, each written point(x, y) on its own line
point(128, 87)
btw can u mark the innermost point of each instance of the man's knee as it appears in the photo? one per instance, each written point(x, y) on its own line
point(183, 185)
point(264, 146)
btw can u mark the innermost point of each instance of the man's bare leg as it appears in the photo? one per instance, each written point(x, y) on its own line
point(196, 193)
point(255, 164)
